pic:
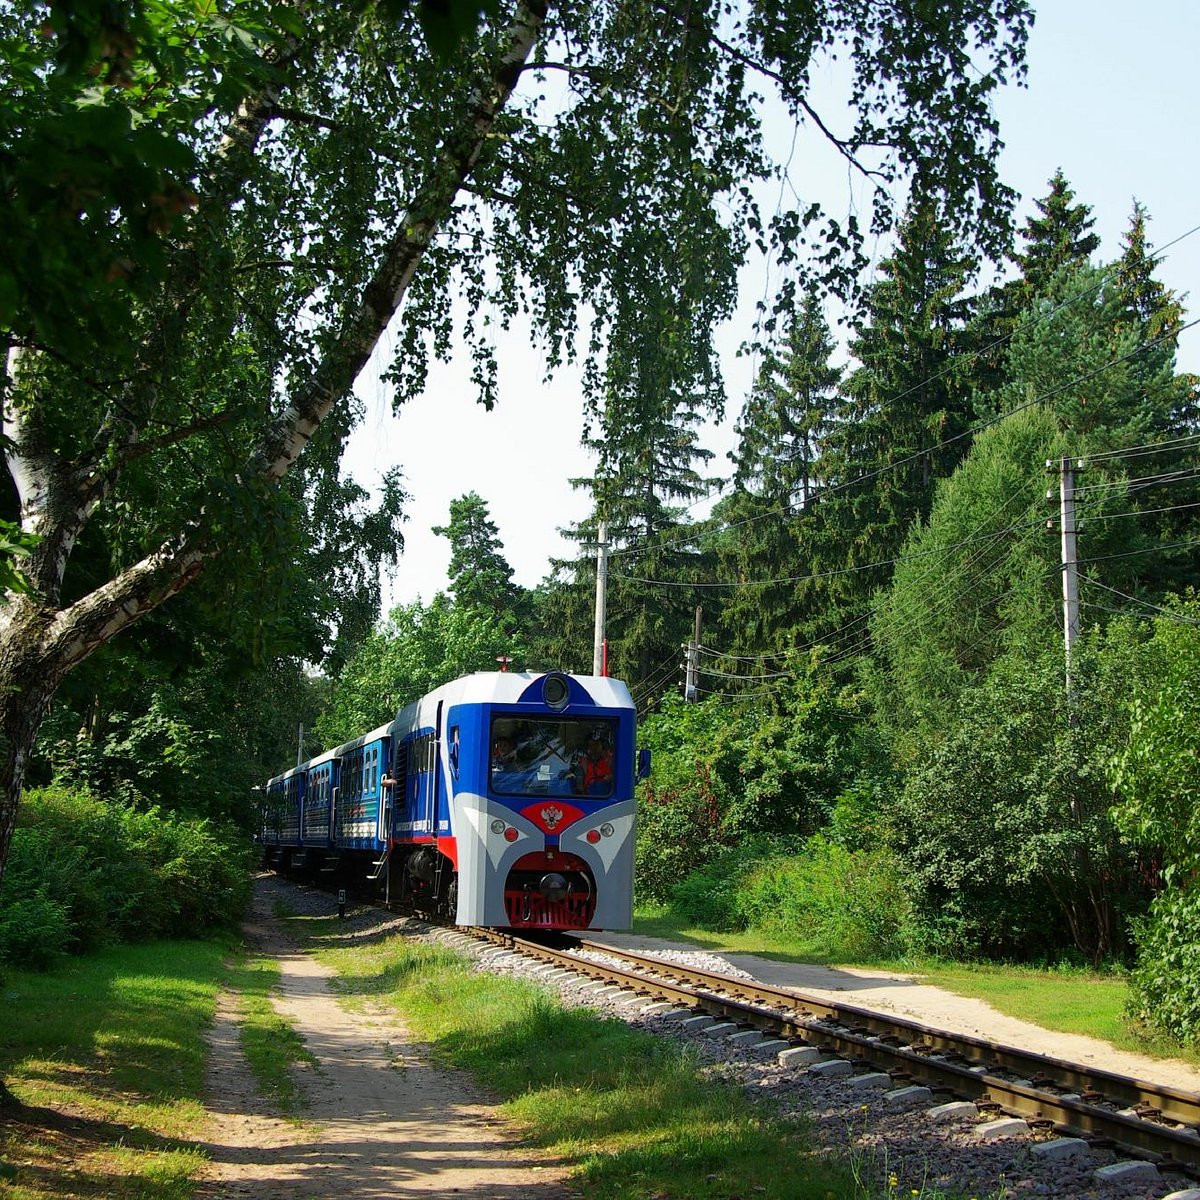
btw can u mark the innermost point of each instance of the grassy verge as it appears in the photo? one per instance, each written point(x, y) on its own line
point(629, 1114)
point(107, 1057)
point(271, 1046)
point(1068, 1000)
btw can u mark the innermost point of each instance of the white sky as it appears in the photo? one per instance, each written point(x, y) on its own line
point(1111, 98)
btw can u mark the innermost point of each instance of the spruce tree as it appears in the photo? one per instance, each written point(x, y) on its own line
point(1061, 237)
point(480, 576)
point(778, 472)
point(902, 422)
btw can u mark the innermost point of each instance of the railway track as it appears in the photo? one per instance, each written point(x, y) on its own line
point(1148, 1121)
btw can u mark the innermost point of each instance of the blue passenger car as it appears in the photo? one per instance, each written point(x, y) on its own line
point(502, 799)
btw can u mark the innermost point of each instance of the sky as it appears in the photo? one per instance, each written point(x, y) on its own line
point(1111, 99)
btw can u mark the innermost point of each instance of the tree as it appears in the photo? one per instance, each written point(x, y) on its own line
point(976, 580)
point(778, 471)
point(902, 424)
point(243, 203)
point(1006, 826)
point(418, 648)
point(1061, 237)
point(1155, 778)
point(480, 576)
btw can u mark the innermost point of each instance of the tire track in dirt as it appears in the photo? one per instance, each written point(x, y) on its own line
point(381, 1121)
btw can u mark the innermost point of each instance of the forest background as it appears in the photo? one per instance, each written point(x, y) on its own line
point(883, 743)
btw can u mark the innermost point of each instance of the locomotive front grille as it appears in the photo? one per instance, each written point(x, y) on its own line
point(550, 892)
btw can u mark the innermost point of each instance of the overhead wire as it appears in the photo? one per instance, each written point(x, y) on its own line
point(979, 426)
point(1158, 608)
point(697, 535)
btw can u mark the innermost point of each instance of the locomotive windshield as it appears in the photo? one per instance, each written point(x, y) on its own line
point(555, 756)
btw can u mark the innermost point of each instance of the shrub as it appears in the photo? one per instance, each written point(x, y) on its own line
point(848, 904)
point(87, 873)
point(1165, 984)
point(676, 834)
point(34, 931)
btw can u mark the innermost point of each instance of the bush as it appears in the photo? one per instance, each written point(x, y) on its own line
point(34, 931)
point(676, 834)
point(845, 904)
point(1165, 984)
point(711, 896)
point(87, 873)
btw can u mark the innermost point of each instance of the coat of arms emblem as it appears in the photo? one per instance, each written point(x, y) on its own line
point(551, 816)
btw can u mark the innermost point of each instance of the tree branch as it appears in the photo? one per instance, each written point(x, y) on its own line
point(296, 117)
point(75, 632)
point(362, 326)
point(843, 146)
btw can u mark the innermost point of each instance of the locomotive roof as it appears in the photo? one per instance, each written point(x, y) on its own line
point(483, 687)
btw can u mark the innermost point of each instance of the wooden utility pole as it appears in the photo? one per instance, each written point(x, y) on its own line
point(1070, 564)
point(599, 658)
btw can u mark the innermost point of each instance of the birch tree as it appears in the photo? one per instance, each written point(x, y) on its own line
point(213, 212)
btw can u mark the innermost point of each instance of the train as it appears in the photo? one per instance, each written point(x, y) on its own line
point(503, 799)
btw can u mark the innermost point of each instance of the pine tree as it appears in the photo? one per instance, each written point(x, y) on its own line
point(901, 425)
point(778, 471)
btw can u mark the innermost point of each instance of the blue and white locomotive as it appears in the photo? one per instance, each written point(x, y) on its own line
point(502, 799)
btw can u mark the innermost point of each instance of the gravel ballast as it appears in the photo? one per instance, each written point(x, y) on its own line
point(901, 1142)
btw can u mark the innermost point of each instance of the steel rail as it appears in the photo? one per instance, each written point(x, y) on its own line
point(912, 1052)
point(1172, 1103)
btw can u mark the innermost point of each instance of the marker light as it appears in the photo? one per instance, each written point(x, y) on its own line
point(593, 836)
point(510, 834)
point(606, 829)
point(498, 826)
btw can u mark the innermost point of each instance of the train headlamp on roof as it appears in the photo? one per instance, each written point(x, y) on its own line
point(556, 692)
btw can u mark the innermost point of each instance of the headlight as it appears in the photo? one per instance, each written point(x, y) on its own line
point(555, 692)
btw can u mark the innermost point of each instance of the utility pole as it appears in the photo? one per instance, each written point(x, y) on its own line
point(1070, 564)
point(300, 746)
point(599, 658)
point(691, 683)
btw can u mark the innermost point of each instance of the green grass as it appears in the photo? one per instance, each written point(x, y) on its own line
point(106, 1055)
point(1067, 1000)
point(272, 1047)
point(631, 1116)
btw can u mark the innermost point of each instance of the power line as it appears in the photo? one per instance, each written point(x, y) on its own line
point(1146, 550)
point(1158, 608)
point(1028, 324)
point(699, 535)
point(1146, 448)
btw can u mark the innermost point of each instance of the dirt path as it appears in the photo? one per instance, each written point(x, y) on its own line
point(381, 1122)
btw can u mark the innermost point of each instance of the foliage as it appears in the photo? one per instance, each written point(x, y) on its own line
point(847, 905)
point(978, 577)
point(724, 776)
point(778, 470)
point(1165, 982)
point(88, 873)
point(132, 727)
point(418, 648)
point(696, 751)
point(1158, 785)
point(480, 577)
point(803, 754)
point(1005, 826)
